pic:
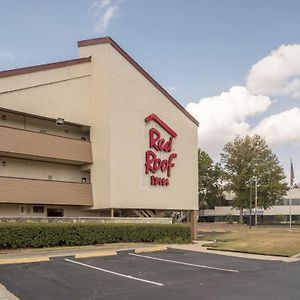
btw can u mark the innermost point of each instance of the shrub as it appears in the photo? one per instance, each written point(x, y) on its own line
point(38, 235)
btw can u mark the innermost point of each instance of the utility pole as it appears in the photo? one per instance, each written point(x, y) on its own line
point(250, 210)
point(255, 197)
point(290, 210)
point(290, 197)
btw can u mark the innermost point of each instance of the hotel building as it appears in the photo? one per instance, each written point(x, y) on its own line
point(94, 136)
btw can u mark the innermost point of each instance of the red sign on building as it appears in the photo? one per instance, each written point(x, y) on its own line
point(158, 144)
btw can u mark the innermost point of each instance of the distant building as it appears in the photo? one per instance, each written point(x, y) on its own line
point(279, 212)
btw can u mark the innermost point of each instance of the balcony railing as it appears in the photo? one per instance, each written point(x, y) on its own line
point(36, 191)
point(40, 146)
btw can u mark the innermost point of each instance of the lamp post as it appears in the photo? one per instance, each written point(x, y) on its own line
point(255, 198)
point(250, 209)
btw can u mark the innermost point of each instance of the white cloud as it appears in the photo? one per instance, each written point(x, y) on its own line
point(224, 116)
point(281, 128)
point(277, 73)
point(105, 11)
point(5, 55)
point(104, 3)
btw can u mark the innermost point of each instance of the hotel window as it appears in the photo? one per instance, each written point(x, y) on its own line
point(38, 209)
point(55, 212)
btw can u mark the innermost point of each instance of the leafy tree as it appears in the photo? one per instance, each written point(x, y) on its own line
point(209, 185)
point(245, 158)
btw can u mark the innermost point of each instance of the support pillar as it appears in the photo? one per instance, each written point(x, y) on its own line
point(194, 224)
point(112, 213)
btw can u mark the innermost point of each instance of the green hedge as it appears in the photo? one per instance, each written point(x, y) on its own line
point(38, 235)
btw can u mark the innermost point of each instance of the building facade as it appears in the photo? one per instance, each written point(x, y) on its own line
point(279, 213)
point(93, 136)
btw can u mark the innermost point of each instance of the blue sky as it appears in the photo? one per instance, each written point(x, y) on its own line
point(195, 49)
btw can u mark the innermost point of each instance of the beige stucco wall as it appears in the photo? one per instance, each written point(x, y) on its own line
point(62, 92)
point(118, 172)
point(39, 145)
point(50, 192)
point(13, 210)
point(19, 121)
point(40, 170)
point(112, 97)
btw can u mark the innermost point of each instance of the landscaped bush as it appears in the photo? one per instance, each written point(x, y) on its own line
point(38, 235)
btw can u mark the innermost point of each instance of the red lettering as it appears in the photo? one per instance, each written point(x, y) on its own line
point(171, 164)
point(150, 158)
point(164, 165)
point(159, 144)
point(152, 180)
point(159, 181)
point(168, 145)
point(154, 137)
point(153, 163)
point(157, 164)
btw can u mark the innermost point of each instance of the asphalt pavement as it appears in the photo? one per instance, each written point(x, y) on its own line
point(171, 274)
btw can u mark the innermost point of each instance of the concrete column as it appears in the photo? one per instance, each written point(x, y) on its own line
point(194, 224)
point(111, 212)
point(188, 216)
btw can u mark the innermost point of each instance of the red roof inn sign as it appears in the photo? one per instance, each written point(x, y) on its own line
point(158, 144)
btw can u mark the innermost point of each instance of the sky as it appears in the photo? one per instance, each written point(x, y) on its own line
point(234, 64)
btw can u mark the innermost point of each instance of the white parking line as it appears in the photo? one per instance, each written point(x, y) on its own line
point(114, 273)
point(184, 263)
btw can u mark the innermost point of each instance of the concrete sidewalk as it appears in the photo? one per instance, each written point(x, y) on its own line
point(5, 294)
point(45, 254)
point(197, 246)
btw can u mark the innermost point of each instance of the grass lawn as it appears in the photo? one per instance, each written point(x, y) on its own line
point(269, 241)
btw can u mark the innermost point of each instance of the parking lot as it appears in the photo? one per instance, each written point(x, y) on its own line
point(171, 274)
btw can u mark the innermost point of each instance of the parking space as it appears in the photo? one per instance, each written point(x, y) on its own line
point(172, 274)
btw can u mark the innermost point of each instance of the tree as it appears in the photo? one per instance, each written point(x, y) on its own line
point(245, 158)
point(209, 184)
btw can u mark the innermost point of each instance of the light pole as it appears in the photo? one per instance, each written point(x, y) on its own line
point(250, 210)
point(255, 199)
point(290, 197)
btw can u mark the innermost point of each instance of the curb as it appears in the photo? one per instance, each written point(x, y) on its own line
point(153, 249)
point(205, 250)
point(5, 294)
point(252, 253)
point(23, 260)
point(96, 254)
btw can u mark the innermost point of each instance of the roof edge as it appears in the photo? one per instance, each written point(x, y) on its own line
point(109, 40)
point(44, 67)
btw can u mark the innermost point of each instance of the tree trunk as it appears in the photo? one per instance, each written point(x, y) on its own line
point(241, 220)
